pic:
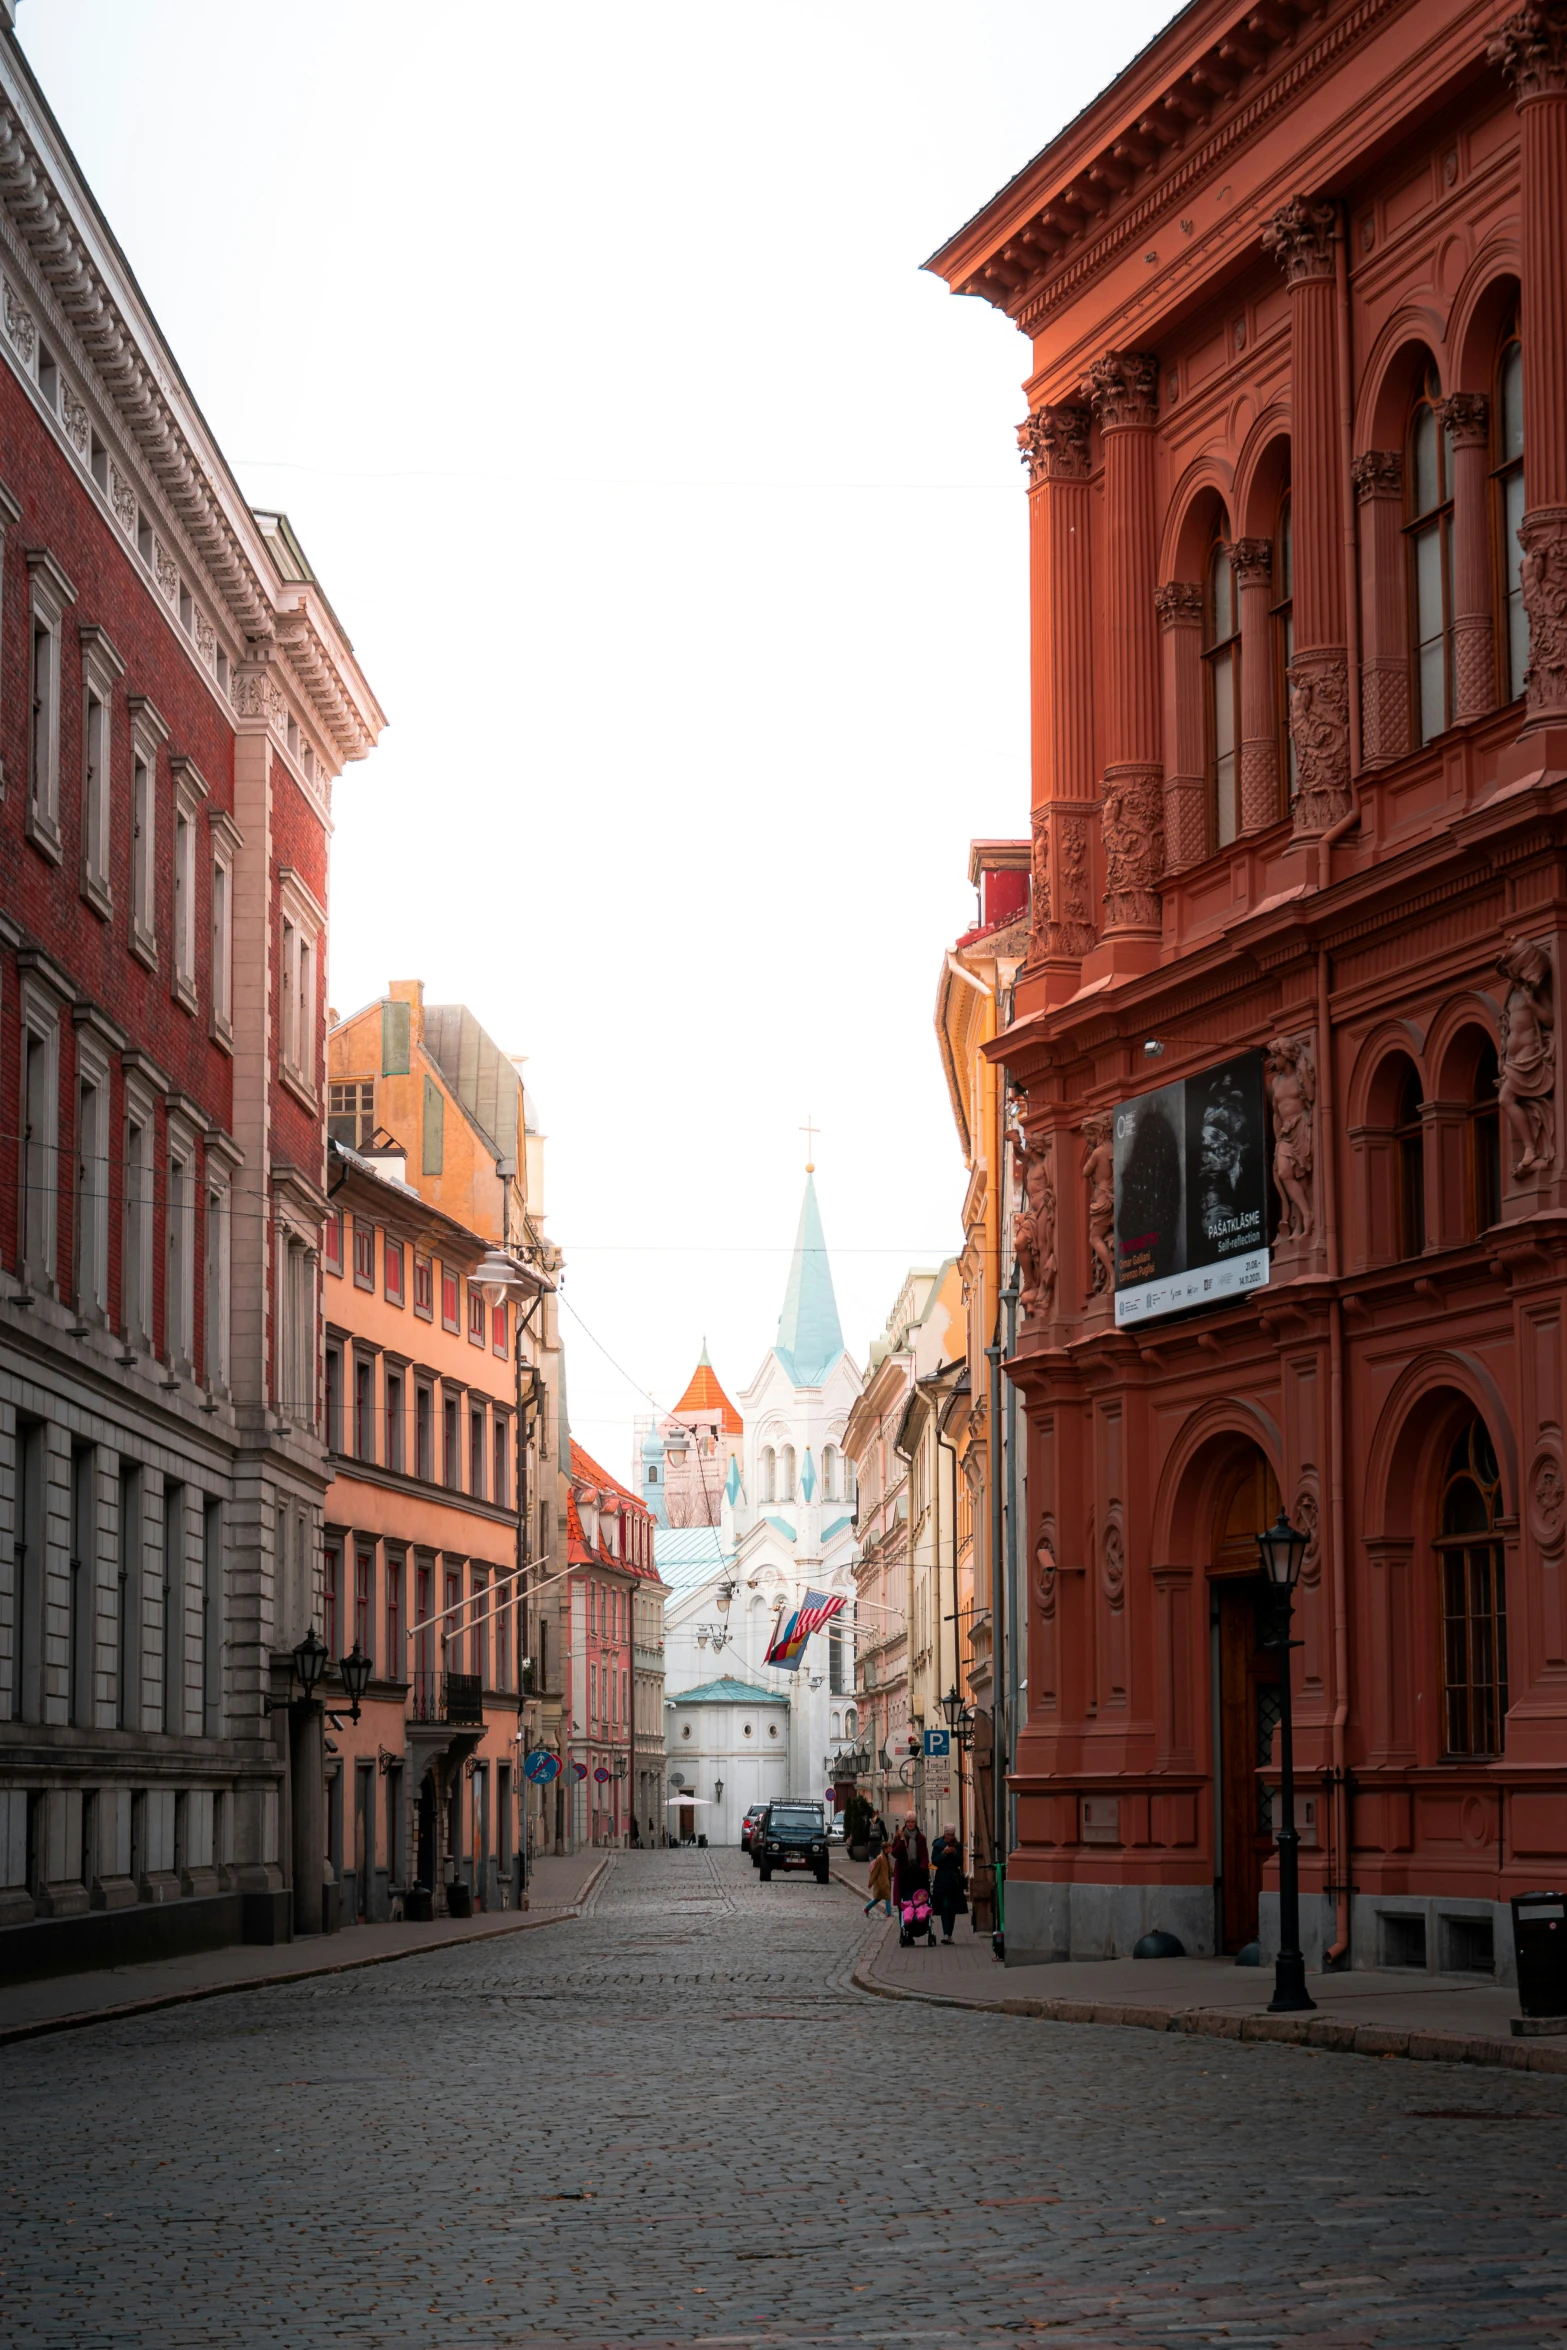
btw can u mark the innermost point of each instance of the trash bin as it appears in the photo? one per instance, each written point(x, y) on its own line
point(459, 1899)
point(1540, 1946)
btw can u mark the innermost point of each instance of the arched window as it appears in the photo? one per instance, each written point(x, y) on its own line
point(1410, 1160)
point(837, 1726)
point(1473, 1598)
point(1222, 660)
point(1485, 1143)
point(1428, 486)
point(1507, 440)
point(769, 1473)
point(851, 1723)
point(786, 1473)
point(829, 1472)
point(1284, 638)
point(652, 1476)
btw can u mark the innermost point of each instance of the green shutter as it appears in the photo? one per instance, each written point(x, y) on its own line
point(395, 1028)
point(434, 1128)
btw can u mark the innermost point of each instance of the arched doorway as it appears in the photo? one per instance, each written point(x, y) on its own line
point(1246, 1698)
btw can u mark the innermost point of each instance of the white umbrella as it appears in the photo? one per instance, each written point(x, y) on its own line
point(683, 1800)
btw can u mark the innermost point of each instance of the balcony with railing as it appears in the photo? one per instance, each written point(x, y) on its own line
point(456, 1699)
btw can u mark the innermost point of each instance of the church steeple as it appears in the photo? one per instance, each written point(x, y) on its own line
point(809, 1339)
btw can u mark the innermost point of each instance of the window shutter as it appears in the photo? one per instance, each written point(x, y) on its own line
point(396, 1028)
point(434, 1158)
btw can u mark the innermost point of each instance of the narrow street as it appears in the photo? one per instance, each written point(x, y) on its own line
point(676, 2120)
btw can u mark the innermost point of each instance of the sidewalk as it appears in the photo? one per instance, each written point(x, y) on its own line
point(1437, 2018)
point(60, 2003)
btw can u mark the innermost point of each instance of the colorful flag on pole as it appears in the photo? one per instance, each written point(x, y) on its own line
point(815, 1609)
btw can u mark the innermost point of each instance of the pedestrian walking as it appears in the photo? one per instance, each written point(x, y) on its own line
point(948, 1898)
point(910, 1862)
point(878, 1837)
point(879, 1885)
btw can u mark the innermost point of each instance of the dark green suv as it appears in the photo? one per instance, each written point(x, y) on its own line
point(792, 1836)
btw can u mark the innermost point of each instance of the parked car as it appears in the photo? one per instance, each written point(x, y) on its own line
point(839, 1829)
point(749, 1826)
point(793, 1836)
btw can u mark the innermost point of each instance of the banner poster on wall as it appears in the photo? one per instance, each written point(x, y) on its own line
point(1191, 1192)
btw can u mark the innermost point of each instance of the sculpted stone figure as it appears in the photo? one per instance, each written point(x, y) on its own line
point(1034, 1232)
point(1319, 728)
point(1292, 1090)
point(1099, 1174)
point(1526, 1050)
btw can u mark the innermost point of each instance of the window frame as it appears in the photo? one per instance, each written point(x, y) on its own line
point(218, 1273)
point(90, 1206)
point(1432, 523)
point(451, 1290)
point(102, 669)
point(1221, 652)
point(1281, 614)
point(478, 1332)
point(138, 1117)
point(424, 1281)
point(223, 846)
point(190, 793)
point(1409, 1167)
point(38, 1155)
point(50, 595)
point(179, 1225)
point(394, 1291)
point(301, 928)
point(364, 1255)
point(1454, 1547)
point(148, 735)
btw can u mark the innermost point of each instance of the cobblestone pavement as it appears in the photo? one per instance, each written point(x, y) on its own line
point(676, 2122)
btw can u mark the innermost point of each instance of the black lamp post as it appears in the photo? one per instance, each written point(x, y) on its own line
point(355, 1669)
point(1282, 1548)
point(310, 1661)
point(952, 1708)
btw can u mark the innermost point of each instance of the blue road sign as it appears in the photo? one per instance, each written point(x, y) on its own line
point(938, 1742)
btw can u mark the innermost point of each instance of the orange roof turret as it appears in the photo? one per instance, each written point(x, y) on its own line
point(703, 1394)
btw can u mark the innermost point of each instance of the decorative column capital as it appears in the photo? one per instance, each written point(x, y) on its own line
point(1300, 238)
point(1377, 473)
point(1124, 389)
point(1467, 416)
point(1054, 444)
point(1531, 49)
point(1253, 561)
point(1179, 603)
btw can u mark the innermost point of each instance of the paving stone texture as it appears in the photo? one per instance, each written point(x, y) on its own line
point(675, 2120)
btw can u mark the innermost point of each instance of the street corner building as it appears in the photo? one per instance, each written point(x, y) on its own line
point(1286, 1178)
point(177, 699)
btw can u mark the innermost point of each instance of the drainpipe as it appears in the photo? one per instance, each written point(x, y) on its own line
point(1009, 1297)
point(1336, 1512)
point(998, 1634)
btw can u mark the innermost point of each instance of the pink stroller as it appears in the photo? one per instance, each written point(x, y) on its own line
point(915, 1923)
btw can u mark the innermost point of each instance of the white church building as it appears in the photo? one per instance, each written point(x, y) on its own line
point(787, 1527)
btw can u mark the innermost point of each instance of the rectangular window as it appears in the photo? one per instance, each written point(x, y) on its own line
point(475, 1318)
point(422, 1628)
point(332, 1597)
point(498, 1330)
point(136, 1260)
point(394, 1664)
point(212, 1620)
point(179, 1337)
point(298, 988)
point(392, 1270)
point(294, 1391)
point(218, 1261)
point(1474, 1646)
point(364, 1409)
point(424, 1434)
point(395, 1447)
point(185, 907)
point(332, 1243)
point(43, 775)
point(83, 1595)
point(334, 1398)
point(396, 1038)
point(91, 1289)
point(222, 948)
point(476, 1450)
point(502, 1638)
point(449, 1300)
point(364, 1254)
point(451, 1444)
point(500, 1483)
point(351, 1116)
point(40, 1148)
point(144, 935)
point(364, 1601)
point(424, 1288)
point(95, 800)
point(174, 1594)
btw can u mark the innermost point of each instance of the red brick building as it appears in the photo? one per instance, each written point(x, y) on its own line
point(613, 1737)
point(1296, 286)
point(176, 700)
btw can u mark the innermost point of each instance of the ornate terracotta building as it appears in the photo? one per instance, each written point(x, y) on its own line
point(1296, 285)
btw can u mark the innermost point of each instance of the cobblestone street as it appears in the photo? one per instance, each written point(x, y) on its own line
point(676, 2120)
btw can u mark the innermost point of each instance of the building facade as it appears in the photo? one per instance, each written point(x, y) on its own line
point(613, 1667)
point(683, 1460)
point(177, 699)
point(1297, 468)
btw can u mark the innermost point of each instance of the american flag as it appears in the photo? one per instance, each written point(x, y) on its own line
point(815, 1609)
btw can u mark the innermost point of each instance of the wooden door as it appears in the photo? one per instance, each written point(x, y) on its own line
point(1248, 1701)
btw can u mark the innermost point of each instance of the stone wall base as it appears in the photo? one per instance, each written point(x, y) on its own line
point(137, 1936)
point(1050, 1922)
point(1405, 1933)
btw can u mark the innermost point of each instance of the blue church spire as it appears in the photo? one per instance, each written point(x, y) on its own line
point(809, 1338)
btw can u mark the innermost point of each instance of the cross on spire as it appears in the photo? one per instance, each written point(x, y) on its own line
point(810, 1132)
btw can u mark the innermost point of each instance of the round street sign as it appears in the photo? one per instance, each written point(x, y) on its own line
point(602, 1776)
point(581, 1769)
point(542, 1766)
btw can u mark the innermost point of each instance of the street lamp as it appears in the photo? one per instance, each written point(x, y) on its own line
point(1282, 1549)
point(310, 1660)
point(355, 1669)
point(952, 1708)
point(497, 1277)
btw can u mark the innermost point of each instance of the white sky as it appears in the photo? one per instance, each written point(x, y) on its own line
point(678, 522)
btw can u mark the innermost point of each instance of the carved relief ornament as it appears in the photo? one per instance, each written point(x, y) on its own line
point(1072, 929)
point(1531, 49)
point(1039, 881)
point(1300, 238)
point(1179, 603)
point(1124, 389)
point(1543, 538)
point(1034, 1230)
point(1467, 417)
point(1045, 1567)
point(1054, 444)
point(1098, 1173)
point(1377, 473)
point(1319, 729)
point(1133, 827)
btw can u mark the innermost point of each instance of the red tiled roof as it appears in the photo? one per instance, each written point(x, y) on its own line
point(604, 1490)
point(703, 1394)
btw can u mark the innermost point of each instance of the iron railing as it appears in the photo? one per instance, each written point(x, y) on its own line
point(455, 1698)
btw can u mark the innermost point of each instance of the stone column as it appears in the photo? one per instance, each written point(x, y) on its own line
point(1531, 48)
point(1260, 804)
point(1384, 631)
point(1054, 441)
point(1300, 237)
point(1124, 387)
point(1179, 606)
point(1467, 418)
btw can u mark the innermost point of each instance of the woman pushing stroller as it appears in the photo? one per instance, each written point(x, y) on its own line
point(911, 1881)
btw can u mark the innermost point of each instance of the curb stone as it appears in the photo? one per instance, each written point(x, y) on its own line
point(1318, 2032)
point(519, 1923)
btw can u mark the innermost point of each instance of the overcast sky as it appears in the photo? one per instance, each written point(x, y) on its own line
point(678, 522)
